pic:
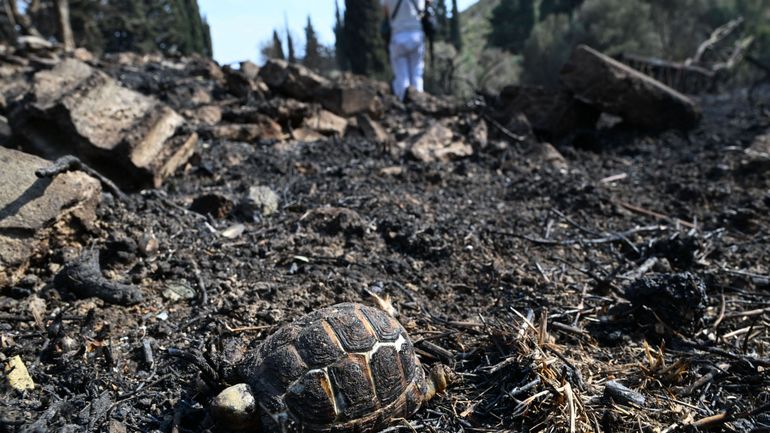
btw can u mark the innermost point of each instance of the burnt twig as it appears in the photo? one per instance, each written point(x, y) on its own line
point(72, 163)
point(84, 279)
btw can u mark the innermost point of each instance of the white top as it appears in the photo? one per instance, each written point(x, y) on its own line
point(408, 18)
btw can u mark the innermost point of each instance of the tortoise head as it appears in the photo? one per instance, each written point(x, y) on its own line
point(235, 408)
point(440, 378)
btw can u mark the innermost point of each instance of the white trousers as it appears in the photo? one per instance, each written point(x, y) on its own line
point(407, 57)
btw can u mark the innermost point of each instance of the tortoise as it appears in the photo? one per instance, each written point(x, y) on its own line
point(348, 368)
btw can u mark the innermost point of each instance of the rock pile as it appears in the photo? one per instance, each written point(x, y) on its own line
point(138, 119)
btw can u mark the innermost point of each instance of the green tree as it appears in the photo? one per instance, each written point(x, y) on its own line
point(552, 7)
point(276, 49)
point(290, 44)
point(611, 26)
point(364, 46)
point(547, 49)
point(207, 38)
point(512, 22)
point(339, 40)
point(442, 21)
point(85, 16)
point(455, 26)
point(312, 47)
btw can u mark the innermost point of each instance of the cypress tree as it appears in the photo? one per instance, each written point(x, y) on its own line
point(277, 50)
point(455, 35)
point(209, 49)
point(442, 21)
point(195, 21)
point(290, 43)
point(312, 47)
point(512, 21)
point(364, 46)
point(340, 52)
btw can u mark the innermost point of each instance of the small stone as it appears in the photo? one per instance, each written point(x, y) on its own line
point(116, 426)
point(178, 291)
point(620, 393)
point(235, 407)
point(307, 135)
point(234, 231)
point(263, 199)
point(18, 375)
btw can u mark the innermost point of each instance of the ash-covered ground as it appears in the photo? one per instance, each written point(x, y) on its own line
point(518, 274)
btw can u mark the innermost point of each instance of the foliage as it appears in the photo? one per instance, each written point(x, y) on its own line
point(512, 21)
point(455, 35)
point(339, 40)
point(440, 76)
point(168, 26)
point(442, 21)
point(546, 50)
point(290, 44)
point(312, 47)
point(274, 48)
point(554, 7)
point(364, 47)
point(610, 26)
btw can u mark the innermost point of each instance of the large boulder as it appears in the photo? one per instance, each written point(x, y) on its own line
point(32, 209)
point(618, 89)
point(292, 80)
point(132, 138)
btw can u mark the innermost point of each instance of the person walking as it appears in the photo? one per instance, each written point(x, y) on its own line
point(407, 43)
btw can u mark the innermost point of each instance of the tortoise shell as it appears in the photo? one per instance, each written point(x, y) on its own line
point(346, 368)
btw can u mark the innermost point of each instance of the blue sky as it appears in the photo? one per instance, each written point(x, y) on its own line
point(239, 27)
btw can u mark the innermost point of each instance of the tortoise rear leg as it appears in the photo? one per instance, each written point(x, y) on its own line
point(439, 379)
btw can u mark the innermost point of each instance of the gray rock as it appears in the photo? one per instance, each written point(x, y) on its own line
point(438, 143)
point(249, 69)
point(33, 209)
point(132, 138)
point(622, 394)
point(618, 89)
point(263, 128)
point(373, 130)
point(263, 199)
point(292, 79)
point(350, 99)
point(327, 122)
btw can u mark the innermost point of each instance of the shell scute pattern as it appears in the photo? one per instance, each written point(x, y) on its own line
point(347, 368)
point(354, 333)
point(387, 374)
point(313, 392)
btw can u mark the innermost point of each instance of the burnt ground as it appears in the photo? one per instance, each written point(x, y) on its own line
point(467, 250)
